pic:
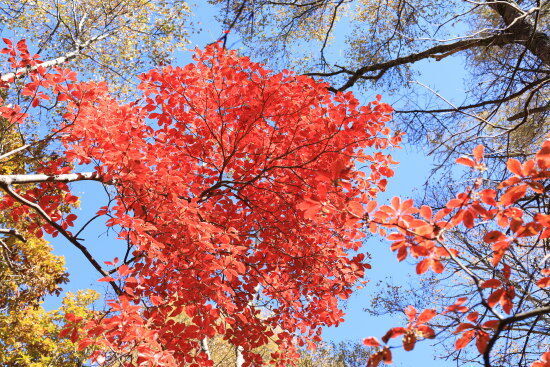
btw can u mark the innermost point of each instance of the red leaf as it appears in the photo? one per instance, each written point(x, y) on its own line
point(513, 194)
point(409, 341)
point(488, 197)
point(64, 332)
point(423, 266)
point(393, 333)
point(542, 219)
point(426, 212)
point(464, 326)
point(543, 156)
point(355, 208)
point(493, 236)
point(482, 339)
point(402, 253)
point(478, 153)
point(491, 324)
point(387, 357)
point(468, 219)
point(514, 166)
point(371, 342)
point(465, 339)
point(124, 270)
point(426, 316)
point(472, 317)
point(466, 161)
point(437, 266)
point(106, 279)
point(544, 282)
point(156, 300)
point(425, 331)
point(241, 268)
point(84, 343)
point(491, 283)
point(494, 298)
point(411, 312)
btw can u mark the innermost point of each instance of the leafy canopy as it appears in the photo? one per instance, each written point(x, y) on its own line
point(238, 192)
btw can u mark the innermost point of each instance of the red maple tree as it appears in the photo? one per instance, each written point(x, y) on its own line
point(240, 193)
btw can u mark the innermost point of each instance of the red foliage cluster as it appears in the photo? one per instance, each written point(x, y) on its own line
point(243, 195)
point(53, 197)
point(239, 193)
point(420, 233)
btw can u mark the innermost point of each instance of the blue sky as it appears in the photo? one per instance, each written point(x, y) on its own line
point(411, 173)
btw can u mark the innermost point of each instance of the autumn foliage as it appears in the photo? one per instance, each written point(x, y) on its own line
point(513, 220)
point(244, 197)
point(239, 191)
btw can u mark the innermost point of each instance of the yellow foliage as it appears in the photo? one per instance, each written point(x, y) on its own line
point(115, 37)
point(29, 271)
point(29, 336)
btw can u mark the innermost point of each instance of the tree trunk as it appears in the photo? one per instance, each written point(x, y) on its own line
point(522, 29)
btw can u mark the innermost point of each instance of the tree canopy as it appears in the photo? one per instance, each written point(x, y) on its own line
point(503, 45)
point(236, 191)
point(105, 39)
point(243, 198)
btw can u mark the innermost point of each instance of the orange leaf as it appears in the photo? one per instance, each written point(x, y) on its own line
point(465, 161)
point(371, 342)
point(514, 166)
point(478, 152)
point(513, 194)
point(426, 212)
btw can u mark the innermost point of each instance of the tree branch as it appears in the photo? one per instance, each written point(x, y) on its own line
point(21, 72)
point(507, 321)
point(522, 29)
point(13, 232)
point(437, 52)
point(507, 98)
point(36, 178)
point(9, 190)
